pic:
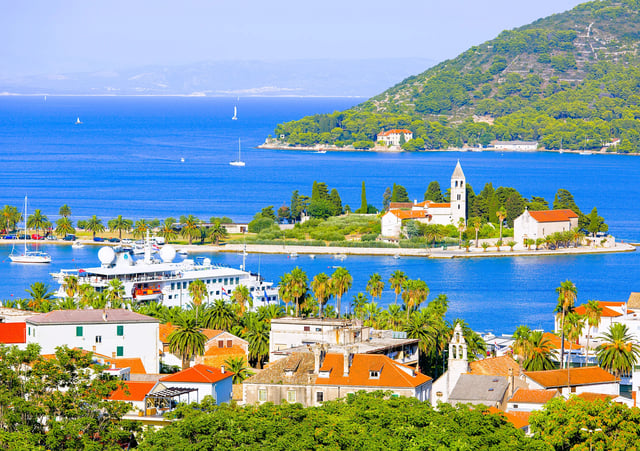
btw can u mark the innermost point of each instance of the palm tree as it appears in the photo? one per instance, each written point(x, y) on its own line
point(414, 293)
point(219, 316)
point(140, 228)
point(258, 337)
point(573, 327)
point(217, 232)
point(375, 286)
point(359, 301)
point(270, 311)
point(461, 227)
point(372, 312)
point(321, 286)
point(198, 292)
point(167, 231)
point(71, 285)
point(65, 211)
point(87, 294)
point(341, 282)
point(37, 221)
point(396, 281)
point(10, 217)
point(186, 340)
point(120, 224)
point(540, 351)
point(395, 316)
point(238, 366)
point(241, 296)
point(422, 325)
point(284, 289)
point(298, 286)
point(522, 342)
point(501, 214)
point(115, 295)
point(40, 294)
point(64, 227)
point(619, 352)
point(484, 246)
point(477, 223)
point(567, 294)
point(592, 314)
point(94, 225)
point(66, 304)
point(191, 228)
point(511, 244)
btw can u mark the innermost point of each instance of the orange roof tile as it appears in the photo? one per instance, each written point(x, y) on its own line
point(556, 342)
point(198, 374)
point(166, 329)
point(401, 205)
point(552, 215)
point(135, 364)
point(439, 205)
point(606, 311)
point(495, 366)
point(394, 131)
point(572, 376)
point(588, 396)
point(233, 350)
point(392, 373)
point(409, 214)
point(533, 396)
point(136, 391)
point(518, 419)
point(13, 333)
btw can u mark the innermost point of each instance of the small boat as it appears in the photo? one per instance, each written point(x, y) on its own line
point(181, 160)
point(78, 121)
point(293, 255)
point(239, 161)
point(182, 252)
point(235, 114)
point(77, 245)
point(340, 256)
point(321, 151)
point(28, 256)
point(312, 256)
point(585, 152)
point(396, 256)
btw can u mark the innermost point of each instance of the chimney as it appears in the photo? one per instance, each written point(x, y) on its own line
point(113, 366)
point(316, 359)
point(222, 369)
point(511, 382)
point(346, 361)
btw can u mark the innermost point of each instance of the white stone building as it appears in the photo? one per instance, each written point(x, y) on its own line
point(517, 146)
point(586, 379)
point(539, 224)
point(111, 332)
point(392, 137)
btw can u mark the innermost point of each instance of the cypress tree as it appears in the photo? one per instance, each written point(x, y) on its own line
point(363, 200)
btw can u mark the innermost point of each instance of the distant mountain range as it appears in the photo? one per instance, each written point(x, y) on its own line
point(321, 77)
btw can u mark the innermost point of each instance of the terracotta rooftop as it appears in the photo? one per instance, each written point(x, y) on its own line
point(135, 364)
point(533, 396)
point(390, 373)
point(495, 366)
point(394, 131)
point(198, 374)
point(166, 329)
point(552, 215)
point(132, 391)
point(588, 396)
point(573, 376)
point(556, 342)
point(90, 316)
point(607, 312)
point(518, 419)
point(13, 333)
point(409, 214)
point(296, 369)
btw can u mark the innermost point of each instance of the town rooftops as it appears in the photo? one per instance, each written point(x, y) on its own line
point(553, 215)
point(409, 214)
point(395, 131)
point(525, 396)
point(134, 364)
point(588, 396)
point(556, 342)
point(587, 375)
point(198, 374)
point(471, 388)
point(369, 370)
point(90, 317)
point(296, 369)
point(13, 333)
point(166, 329)
point(607, 311)
point(132, 391)
point(495, 366)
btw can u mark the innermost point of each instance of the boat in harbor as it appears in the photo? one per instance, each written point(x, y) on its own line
point(161, 280)
point(235, 114)
point(239, 161)
point(78, 122)
point(27, 255)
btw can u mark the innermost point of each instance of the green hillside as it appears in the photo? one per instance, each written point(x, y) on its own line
point(570, 80)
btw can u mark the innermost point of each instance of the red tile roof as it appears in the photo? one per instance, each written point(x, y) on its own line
point(135, 364)
point(439, 205)
point(394, 131)
point(13, 333)
point(595, 396)
point(401, 205)
point(533, 396)
point(136, 391)
point(552, 215)
point(199, 374)
point(556, 342)
point(572, 376)
point(606, 311)
point(391, 373)
point(518, 419)
point(166, 329)
point(409, 214)
point(495, 366)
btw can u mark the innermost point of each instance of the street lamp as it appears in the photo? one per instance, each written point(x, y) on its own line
point(590, 432)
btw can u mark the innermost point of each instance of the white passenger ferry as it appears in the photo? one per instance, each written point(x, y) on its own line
point(153, 279)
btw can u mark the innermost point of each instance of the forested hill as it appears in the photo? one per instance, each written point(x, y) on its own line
point(570, 80)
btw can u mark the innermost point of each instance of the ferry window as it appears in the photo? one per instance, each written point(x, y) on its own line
point(173, 285)
point(98, 338)
point(120, 331)
point(226, 281)
point(184, 284)
point(120, 351)
point(237, 280)
point(78, 331)
point(218, 293)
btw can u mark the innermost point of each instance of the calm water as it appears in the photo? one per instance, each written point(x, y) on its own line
point(126, 159)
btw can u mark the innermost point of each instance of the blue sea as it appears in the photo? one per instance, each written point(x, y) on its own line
point(126, 158)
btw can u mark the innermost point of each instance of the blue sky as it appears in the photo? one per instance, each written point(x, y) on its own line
point(45, 36)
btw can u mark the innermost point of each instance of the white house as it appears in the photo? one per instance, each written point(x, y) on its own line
point(207, 380)
point(518, 146)
point(392, 137)
point(526, 400)
point(586, 379)
point(539, 224)
point(111, 332)
point(429, 212)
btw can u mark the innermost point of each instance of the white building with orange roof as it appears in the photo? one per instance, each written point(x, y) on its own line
point(428, 212)
point(205, 380)
point(394, 136)
point(568, 381)
point(539, 224)
point(528, 400)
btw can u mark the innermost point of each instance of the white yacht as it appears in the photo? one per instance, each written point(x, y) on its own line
point(27, 255)
point(148, 279)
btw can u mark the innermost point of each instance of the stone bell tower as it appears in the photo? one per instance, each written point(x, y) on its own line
point(458, 195)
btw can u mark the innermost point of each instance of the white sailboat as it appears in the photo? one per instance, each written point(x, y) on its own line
point(235, 114)
point(78, 120)
point(28, 256)
point(239, 161)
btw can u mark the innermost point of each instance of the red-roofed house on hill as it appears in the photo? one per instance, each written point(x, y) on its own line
point(393, 137)
point(539, 224)
point(574, 380)
point(209, 381)
point(14, 334)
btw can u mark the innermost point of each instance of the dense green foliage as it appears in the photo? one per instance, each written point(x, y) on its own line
point(364, 421)
point(569, 81)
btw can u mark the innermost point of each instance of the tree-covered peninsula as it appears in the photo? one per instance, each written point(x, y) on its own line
point(568, 81)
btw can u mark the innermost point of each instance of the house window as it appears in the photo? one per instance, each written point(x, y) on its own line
point(120, 331)
point(319, 396)
point(119, 351)
point(291, 396)
point(515, 406)
point(98, 338)
point(307, 328)
point(318, 329)
point(374, 374)
point(229, 343)
point(573, 389)
point(262, 395)
point(221, 343)
point(78, 331)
